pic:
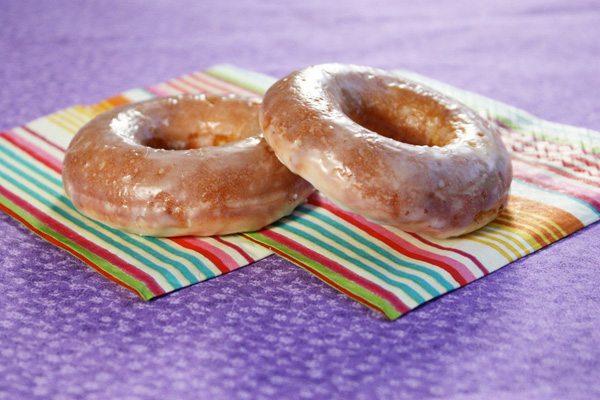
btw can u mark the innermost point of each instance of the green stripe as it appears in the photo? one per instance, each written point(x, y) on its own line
point(410, 292)
point(101, 263)
point(373, 246)
point(239, 77)
point(164, 272)
point(495, 108)
point(198, 264)
point(343, 282)
point(131, 239)
point(583, 203)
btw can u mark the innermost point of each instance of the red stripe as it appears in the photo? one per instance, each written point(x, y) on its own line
point(67, 248)
point(236, 248)
point(546, 182)
point(520, 215)
point(124, 266)
point(201, 76)
point(400, 245)
point(181, 89)
point(218, 262)
point(322, 277)
point(37, 135)
point(559, 148)
point(157, 91)
point(558, 171)
point(457, 251)
point(202, 89)
point(227, 260)
point(557, 157)
point(338, 269)
point(541, 241)
point(527, 139)
point(33, 151)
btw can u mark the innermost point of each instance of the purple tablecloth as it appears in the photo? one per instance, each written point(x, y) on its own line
point(271, 330)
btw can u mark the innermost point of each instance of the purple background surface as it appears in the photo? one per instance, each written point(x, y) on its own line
point(271, 330)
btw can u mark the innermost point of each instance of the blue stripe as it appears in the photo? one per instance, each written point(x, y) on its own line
point(128, 238)
point(165, 273)
point(314, 240)
point(560, 194)
point(200, 266)
point(372, 245)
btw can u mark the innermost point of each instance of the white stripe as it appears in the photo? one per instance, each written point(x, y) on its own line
point(513, 239)
point(187, 88)
point(54, 133)
point(263, 82)
point(255, 251)
point(216, 82)
point(45, 210)
point(355, 268)
point(162, 87)
point(568, 171)
point(93, 224)
point(434, 268)
point(39, 143)
point(524, 119)
point(409, 301)
point(138, 95)
point(467, 262)
point(580, 210)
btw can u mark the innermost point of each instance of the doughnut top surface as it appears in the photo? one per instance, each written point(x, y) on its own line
point(394, 151)
point(190, 164)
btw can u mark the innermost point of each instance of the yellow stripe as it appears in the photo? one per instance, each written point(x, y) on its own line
point(501, 231)
point(500, 241)
point(104, 105)
point(528, 226)
point(545, 219)
point(546, 233)
point(76, 115)
point(67, 119)
point(88, 112)
point(76, 216)
point(55, 121)
point(490, 244)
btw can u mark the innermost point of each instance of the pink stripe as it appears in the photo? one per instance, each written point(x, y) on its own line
point(557, 171)
point(116, 261)
point(176, 83)
point(157, 91)
point(205, 88)
point(229, 261)
point(338, 269)
point(33, 151)
point(222, 84)
point(457, 251)
point(459, 267)
point(561, 186)
point(236, 248)
point(527, 139)
point(37, 135)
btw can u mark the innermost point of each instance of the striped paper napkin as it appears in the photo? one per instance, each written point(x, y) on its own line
point(556, 191)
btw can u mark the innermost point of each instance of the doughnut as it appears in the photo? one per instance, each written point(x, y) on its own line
point(181, 165)
point(389, 149)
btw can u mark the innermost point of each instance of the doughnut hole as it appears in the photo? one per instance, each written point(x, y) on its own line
point(185, 123)
point(399, 114)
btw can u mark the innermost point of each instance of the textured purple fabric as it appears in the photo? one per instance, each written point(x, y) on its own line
point(271, 330)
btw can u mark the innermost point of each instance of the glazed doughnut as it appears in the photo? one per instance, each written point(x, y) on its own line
point(182, 165)
point(392, 150)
